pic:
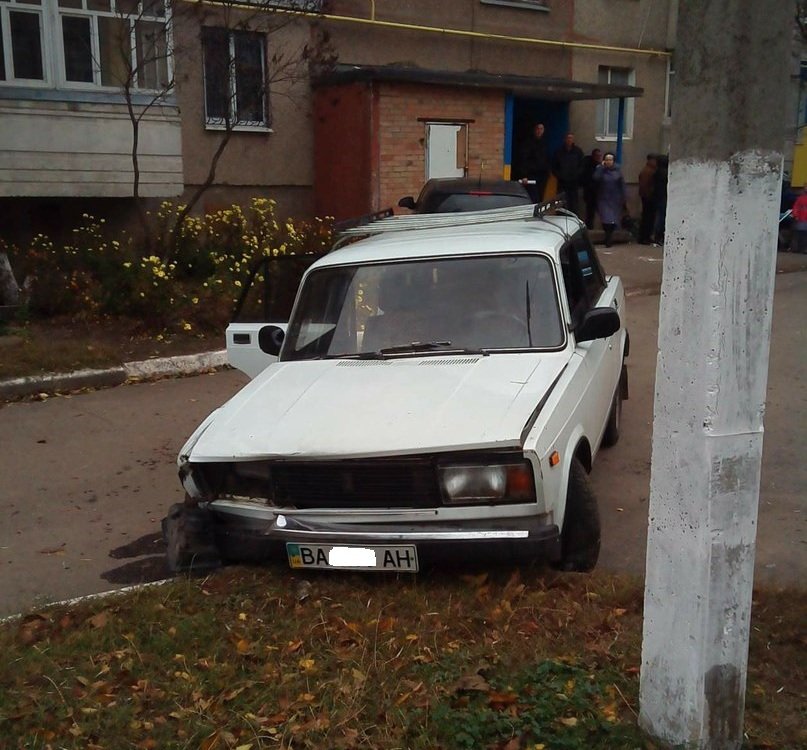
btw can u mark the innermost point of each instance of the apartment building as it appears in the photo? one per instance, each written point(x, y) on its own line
point(340, 109)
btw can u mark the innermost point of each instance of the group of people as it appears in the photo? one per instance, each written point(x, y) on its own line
point(601, 180)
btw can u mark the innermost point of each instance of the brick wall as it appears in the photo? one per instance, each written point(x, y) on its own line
point(402, 111)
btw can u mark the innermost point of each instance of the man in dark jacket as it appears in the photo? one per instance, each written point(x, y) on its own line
point(533, 164)
point(567, 166)
point(647, 192)
point(590, 163)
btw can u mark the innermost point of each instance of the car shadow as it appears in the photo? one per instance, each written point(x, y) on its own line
point(151, 564)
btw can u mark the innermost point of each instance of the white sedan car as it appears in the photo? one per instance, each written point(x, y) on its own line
point(441, 390)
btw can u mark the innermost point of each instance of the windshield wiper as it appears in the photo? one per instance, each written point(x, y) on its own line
point(415, 346)
point(429, 346)
point(412, 347)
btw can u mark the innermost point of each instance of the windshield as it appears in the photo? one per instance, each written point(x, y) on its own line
point(472, 303)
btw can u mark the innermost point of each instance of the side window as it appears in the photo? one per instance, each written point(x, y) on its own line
point(573, 282)
point(590, 269)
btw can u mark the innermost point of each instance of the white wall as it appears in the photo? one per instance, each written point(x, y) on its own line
point(83, 149)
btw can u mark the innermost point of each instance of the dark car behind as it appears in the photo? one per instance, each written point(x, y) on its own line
point(450, 195)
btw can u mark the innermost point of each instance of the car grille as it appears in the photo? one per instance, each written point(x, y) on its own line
point(403, 483)
point(357, 485)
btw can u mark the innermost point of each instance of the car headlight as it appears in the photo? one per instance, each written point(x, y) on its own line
point(489, 483)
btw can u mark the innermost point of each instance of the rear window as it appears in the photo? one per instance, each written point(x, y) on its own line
point(457, 202)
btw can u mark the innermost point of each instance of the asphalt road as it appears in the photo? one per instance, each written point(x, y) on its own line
point(85, 480)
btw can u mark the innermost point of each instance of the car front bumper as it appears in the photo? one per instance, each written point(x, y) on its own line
point(527, 537)
point(196, 535)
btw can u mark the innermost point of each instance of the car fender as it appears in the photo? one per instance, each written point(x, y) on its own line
point(555, 479)
point(186, 449)
point(575, 439)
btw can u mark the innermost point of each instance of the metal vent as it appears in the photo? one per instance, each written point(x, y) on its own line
point(448, 362)
point(362, 362)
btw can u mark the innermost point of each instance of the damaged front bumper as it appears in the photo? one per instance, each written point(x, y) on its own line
point(237, 534)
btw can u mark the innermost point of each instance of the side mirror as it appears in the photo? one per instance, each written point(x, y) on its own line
point(270, 339)
point(408, 202)
point(597, 323)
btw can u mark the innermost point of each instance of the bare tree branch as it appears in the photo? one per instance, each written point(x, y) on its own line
point(268, 18)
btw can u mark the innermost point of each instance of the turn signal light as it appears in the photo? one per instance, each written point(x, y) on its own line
point(554, 459)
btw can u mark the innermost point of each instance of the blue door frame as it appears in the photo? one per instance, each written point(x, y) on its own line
point(555, 116)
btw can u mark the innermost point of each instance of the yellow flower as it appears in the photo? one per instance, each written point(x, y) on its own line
point(186, 326)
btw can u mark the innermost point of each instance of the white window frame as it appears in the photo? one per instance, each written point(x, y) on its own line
point(52, 42)
point(6, 8)
point(220, 123)
point(608, 137)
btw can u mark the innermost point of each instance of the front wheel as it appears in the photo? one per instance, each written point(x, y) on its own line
point(580, 538)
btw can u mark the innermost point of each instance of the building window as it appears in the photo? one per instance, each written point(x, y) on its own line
point(608, 109)
point(92, 43)
point(21, 43)
point(235, 78)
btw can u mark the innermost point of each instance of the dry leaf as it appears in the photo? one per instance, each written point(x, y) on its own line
point(570, 721)
point(471, 683)
point(53, 550)
point(99, 621)
point(475, 580)
point(499, 701)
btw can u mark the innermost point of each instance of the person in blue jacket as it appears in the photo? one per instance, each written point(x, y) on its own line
point(611, 198)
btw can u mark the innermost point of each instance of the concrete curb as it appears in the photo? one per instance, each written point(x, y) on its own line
point(129, 372)
point(111, 594)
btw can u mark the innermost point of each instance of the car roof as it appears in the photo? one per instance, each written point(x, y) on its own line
point(546, 234)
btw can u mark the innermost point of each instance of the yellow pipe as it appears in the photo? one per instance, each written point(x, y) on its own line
point(445, 31)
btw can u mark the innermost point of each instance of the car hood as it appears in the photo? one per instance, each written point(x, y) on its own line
point(360, 408)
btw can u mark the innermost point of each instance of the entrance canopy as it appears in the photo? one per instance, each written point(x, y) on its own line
point(533, 87)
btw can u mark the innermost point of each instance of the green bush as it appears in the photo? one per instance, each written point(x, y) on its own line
point(189, 277)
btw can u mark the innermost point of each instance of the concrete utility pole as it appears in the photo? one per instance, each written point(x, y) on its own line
point(714, 332)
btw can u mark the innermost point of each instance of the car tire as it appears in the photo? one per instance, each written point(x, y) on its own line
point(580, 538)
point(611, 435)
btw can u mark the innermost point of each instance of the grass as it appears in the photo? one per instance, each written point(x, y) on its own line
point(58, 346)
point(266, 658)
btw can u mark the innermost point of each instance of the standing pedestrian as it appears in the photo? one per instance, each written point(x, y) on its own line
point(647, 192)
point(799, 214)
point(611, 196)
point(534, 163)
point(660, 196)
point(590, 163)
point(567, 166)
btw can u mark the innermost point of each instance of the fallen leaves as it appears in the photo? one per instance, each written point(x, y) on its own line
point(357, 665)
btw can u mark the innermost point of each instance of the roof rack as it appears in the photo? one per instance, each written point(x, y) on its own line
point(410, 222)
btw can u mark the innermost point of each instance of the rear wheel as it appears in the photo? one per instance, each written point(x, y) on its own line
point(580, 538)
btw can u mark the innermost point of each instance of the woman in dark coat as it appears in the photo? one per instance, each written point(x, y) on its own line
point(611, 197)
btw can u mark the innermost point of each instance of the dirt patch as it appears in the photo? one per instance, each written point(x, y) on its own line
point(58, 346)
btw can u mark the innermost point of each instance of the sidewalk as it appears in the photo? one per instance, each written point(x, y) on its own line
point(639, 266)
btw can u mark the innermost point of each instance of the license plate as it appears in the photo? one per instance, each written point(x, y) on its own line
point(394, 558)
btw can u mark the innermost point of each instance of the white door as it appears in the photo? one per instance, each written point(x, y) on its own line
point(445, 149)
